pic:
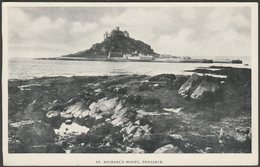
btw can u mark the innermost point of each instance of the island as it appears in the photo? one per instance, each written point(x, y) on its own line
point(119, 46)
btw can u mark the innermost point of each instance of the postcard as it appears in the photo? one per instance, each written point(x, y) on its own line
point(130, 84)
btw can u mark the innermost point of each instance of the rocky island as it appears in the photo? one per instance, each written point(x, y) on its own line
point(119, 46)
point(165, 113)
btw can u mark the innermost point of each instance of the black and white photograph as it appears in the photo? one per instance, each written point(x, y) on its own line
point(154, 82)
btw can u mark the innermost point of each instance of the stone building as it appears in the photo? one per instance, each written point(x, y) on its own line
point(116, 32)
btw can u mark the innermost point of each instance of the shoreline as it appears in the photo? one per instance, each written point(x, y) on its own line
point(155, 60)
point(132, 113)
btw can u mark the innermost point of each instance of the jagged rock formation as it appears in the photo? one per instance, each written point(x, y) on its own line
point(132, 114)
point(203, 88)
point(188, 87)
point(117, 42)
point(197, 87)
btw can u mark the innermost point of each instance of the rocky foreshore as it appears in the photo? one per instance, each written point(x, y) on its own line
point(165, 113)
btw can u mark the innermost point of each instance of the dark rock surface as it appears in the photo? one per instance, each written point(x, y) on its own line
point(131, 114)
point(35, 133)
point(190, 85)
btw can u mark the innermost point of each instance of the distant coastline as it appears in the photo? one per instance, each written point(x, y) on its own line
point(160, 60)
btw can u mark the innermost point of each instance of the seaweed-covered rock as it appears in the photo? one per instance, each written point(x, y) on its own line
point(120, 89)
point(190, 85)
point(103, 107)
point(134, 99)
point(35, 133)
point(150, 142)
point(46, 148)
point(203, 89)
point(144, 86)
point(169, 78)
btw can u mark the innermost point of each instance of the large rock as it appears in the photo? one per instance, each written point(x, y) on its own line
point(30, 107)
point(242, 129)
point(35, 133)
point(134, 150)
point(241, 138)
point(169, 148)
point(203, 89)
point(150, 142)
point(103, 107)
point(120, 89)
point(120, 117)
point(78, 109)
point(190, 85)
point(52, 114)
point(16, 125)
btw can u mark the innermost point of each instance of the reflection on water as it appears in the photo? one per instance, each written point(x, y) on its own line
point(29, 68)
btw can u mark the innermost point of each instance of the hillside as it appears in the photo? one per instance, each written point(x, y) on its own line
point(118, 42)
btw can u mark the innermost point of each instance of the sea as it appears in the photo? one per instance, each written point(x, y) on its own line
point(28, 68)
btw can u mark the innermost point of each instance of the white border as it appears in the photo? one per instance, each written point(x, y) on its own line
point(167, 159)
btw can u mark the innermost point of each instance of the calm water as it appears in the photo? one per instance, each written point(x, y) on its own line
point(29, 68)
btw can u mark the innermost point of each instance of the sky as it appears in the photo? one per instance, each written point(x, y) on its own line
point(180, 31)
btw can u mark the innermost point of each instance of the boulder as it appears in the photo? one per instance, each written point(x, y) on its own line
point(150, 142)
point(169, 148)
point(122, 117)
point(84, 114)
point(204, 88)
point(119, 121)
point(77, 109)
point(241, 129)
point(146, 128)
point(120, 89)
point(241, 138)
point(54, 105)
point(68, 122)
point(35, 133)
point(65, 115)
point(131, 129)
point(52, 114)
point(208, 150)
point(189, 86)
point(30, 107)
point(134, 150)
point(119, 113)
point(16, 146)
point(176, 137)
point(104, 106)
point(19, 124)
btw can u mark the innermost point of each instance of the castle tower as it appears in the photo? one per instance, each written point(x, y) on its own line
point(126, 34)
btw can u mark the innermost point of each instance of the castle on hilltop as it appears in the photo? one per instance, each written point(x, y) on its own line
point(116, 32)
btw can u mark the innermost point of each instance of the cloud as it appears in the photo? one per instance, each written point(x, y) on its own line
point(81, 28)
point(182, 31)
